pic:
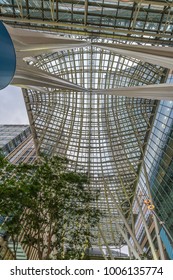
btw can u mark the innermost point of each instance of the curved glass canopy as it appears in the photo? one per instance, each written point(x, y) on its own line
point(102, 135)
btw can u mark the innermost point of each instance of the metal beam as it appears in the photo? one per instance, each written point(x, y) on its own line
point(31, 119)
point(154, 3)
point(20, 7)
point(126, 224)
point(51, 3)
point(57, 9)
point(105, 241)
point(150, 241)
point(135, 253)
point(89, 28)
point(86, 12)
point(135, 14)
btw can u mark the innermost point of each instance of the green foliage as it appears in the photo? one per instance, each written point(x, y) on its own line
point(50, 206)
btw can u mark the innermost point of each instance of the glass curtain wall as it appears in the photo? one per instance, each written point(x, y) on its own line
point(159, 165)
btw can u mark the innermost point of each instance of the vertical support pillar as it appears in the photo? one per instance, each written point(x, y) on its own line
point(127, 225)
point(162, 255)
point(105, 241)
point(153, 249)
point(135, 253)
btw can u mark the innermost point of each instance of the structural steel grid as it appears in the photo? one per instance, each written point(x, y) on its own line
point(101, 133)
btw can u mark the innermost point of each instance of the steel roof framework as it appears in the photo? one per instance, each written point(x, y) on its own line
point(147, 21)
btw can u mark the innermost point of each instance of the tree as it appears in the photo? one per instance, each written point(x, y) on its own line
point(51, 207)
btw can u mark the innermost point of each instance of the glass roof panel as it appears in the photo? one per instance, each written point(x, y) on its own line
point(142, 21)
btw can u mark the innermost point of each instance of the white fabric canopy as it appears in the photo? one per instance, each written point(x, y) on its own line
point(29, 43)
point(32, 43)
point(157, 92)
point(27, 76)
point(162, 56)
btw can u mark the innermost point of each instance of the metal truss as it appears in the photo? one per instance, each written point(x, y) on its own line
point(142, 21)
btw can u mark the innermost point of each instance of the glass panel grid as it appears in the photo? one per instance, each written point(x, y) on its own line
point(98, 133)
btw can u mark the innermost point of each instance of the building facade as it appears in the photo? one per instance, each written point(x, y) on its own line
point(11, 136)
point(16, 144)
point(155, 181)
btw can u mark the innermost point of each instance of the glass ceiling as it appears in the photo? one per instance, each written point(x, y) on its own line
point(103, 135)
point(147, 21)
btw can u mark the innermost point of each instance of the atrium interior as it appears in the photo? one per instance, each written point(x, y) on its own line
point(105, 103)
